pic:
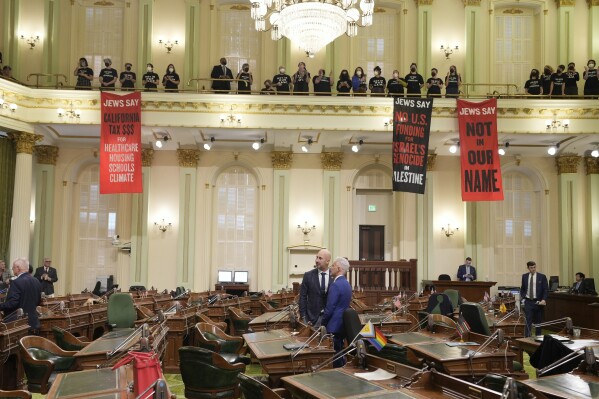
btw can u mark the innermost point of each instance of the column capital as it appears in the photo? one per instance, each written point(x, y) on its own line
point(331, 160)
point(188, 158)
point(25, 141)
point(423, 2)
point(474, 3)
point(147, 156)
point(567, 163)
point(430, 162)
point(592, 3)
point(281, 159)
point(592, 165)
point(565, 3)
point(46, 154)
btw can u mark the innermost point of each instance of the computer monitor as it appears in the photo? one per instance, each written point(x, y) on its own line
point(225, 276)
point(241, 277)
point(553, 283)
point(588, 286)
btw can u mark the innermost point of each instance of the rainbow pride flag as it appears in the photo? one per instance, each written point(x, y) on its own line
point(373, 335)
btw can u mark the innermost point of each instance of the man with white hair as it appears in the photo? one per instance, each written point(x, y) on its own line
point(25, 293)
point(338, 300)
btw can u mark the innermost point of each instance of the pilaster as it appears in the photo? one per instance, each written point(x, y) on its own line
point(192, 40)
point(424, 34)
point(281, 163)
point(331, 163)
point(565, 30)
point(425, 251)
point(144, 39)
point(475, 41)
point(568, 225)
point(593, 30)
point(46, 156)
point(188, 162)
point(592, 173)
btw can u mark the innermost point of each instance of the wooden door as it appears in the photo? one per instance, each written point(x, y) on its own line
point(372, 242)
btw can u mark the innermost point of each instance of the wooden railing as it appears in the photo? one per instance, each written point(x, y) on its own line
point(379, 279)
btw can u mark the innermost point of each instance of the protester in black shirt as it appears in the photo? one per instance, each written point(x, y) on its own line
point(434, 84)
point(170, 80)
point(150, 79)
point(127, 78)
point(453, 81)
point(301, 79)
point(591, 84)
point(108, 76)
point(344, 83)
point(396, 85)
point(377, 83)
point(267, 89)
point(282, 81)
point(546, 79)
point(322, 83)
point(415, 81)
point(558, 82)
point(572, 78)
point(244, 80)
point(84, 75)
point(534, 85)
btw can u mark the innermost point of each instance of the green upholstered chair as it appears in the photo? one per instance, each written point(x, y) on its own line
point(454, 297)
point(205, 319)
point(240, 322)
point(438, 303)
point(496, 382)
point(67, 341)
point(121, 311)
point(254, 389)
point(213, 338)
point(206, 375)
point(42, 361)
point(474, 314)
point(15, 394)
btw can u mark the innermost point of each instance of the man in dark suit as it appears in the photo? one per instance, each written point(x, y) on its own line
point(338, 300)
point(313, 291)
point(25, 292)
point(577, 287)
point(47, 276)
point(221, 72)
point(467, 272)
point(533, 293)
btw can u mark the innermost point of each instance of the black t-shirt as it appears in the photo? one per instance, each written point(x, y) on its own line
point(244, 81)
point(151, 79)
point(415, 82)
point(324, 86)
point(128, 77)
point(558, 83)
point(377, 84)
point(283, 79)
point(108, 74)
point(534, 86)
point(546, 81)
point(395, 86)
point(435, 88)
point(81, 81)
point(168, 85)
point(572, 78)
point(344, 88)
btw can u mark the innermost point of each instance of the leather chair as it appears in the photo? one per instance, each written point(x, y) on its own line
point(67, 341)
point(15, 394)
point(42, 361)
point(205, 319)
point(207, 375)
point(240, 322)
point(213, 338)
point(121, 311)
point(97, 291)
point(442, 320)
point(474, 314)
point(351, 323)
point(444, 277)
point(496, 382)
point(254, 389)
point(454, 297)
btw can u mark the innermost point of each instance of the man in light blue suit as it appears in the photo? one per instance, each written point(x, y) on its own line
point(338, 300)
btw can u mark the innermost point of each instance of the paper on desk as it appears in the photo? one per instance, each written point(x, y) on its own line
point(377, 375)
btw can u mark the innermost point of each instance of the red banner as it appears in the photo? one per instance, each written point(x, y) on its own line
point(481, 168)
point(120, 144)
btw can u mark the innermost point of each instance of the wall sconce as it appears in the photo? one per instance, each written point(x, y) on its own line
point(230, 119)
point(447, 50)
point(31, 40)
point(387, 122)
point(163, 226)
point(454, 147)
point(71, 115)
point(168, 45)
point(306, 230)
point(448, 231)
point(553, 125)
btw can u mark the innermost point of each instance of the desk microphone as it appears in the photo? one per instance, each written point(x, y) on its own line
point(361, 353)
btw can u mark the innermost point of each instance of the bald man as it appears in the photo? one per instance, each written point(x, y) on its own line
point(25, 292)
point(313, 292)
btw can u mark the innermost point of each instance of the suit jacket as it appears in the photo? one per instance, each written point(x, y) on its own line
point(462, 272)
point(47, 286)
point(217, 72)
point(338, 300)
point(542, 287)
point(311, 301)
point(25, 292)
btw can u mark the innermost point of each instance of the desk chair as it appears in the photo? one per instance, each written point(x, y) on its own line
point(254, 389)
point(444, 277)
point(121, 311)
point(67, 341)
point(240, 321)
point(437, 304)
point(352, 324)
point(474, 314)
point(213, 338)
point(442, 320)
point(97, 291)
point(42, 361)
point(15, 394)
point(207, 375)
point(454, 297)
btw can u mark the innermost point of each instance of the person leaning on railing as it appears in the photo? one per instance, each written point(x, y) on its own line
point(591, 82)
point(534, 85)
point(84, 75)
point(150, 79)
point(453, 81)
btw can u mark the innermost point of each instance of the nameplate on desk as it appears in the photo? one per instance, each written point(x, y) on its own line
point(453, 344)
point(292, 346)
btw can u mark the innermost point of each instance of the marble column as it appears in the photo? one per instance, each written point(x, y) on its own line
point(281, 163)
point(568, 221)
point(592, 171)
point(331, 164)
point(46, 156)
point(565, 30)
point(21, 207)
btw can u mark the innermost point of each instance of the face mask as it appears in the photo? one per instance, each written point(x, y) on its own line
point(452, 70)
point(559, 71)
point(106, 64)
point(171, 70)
point(434, 74)
point(376, 73)
point(246, 69)
point(413, 69)
point(535, 76)
point(547, 71)
point(359, 73)
point(128, 68)
point(282, 70)
point(82, 64)
point(591, 65)
point(149, 69)
point(396, 75)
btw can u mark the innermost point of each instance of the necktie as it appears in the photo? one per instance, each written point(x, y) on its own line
point(322, 284)
point(224, 70)
point(530, 288)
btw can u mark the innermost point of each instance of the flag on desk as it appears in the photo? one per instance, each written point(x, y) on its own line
point(487, 297)
point(397, 301)
point(374, 336)
point(502, 308)
point(462, 326)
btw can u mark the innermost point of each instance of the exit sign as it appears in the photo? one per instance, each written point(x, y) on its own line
point(371, 208)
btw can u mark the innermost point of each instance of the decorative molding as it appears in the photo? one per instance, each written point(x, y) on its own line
point(25, 141)
point(281, 159)
point(46, 154)
point(592, 3)
point(423, 2)
point(565, 3)
point(147, 156)
point(592, 165)
point(188, 158)
point(567, 163)
point(430, 162)
point(474, 3)
point(331, 160)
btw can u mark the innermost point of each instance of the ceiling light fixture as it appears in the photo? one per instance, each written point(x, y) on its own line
point(71, 114)
point(501, 151)
point(553, 149)
point(258, 144)
point(356, 147)
point(454, 147)
point(595, 153)
point(312, 24)
point(306, 147)
point(162, 137)
point(208, 146)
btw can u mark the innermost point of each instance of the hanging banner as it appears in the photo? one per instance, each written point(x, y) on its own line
point(411, 128)
point(120, 143)
point(481, 168)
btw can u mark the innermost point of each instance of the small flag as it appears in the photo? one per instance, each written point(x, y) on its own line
point(368, 330)
point(487, 297)
point(502, 308)
point(462, 326)
point(397, 302)
point(379, 340)
point(269, 294)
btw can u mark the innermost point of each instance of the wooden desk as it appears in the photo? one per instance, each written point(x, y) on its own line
point(411, 338)
point(394, 324)
point(95, 354)
point(513, 327)
point(578, 307)
point(232, 289)
point(474, 291)
point(75, 320)
point(270, 320)
point(218, 311)
point(266, 335)
point(567, 386)
point(180, 325)
point(11, 368)
point(418, 304)
point(99, 384)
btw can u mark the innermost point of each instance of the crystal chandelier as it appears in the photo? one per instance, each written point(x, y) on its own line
point(311, 23)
